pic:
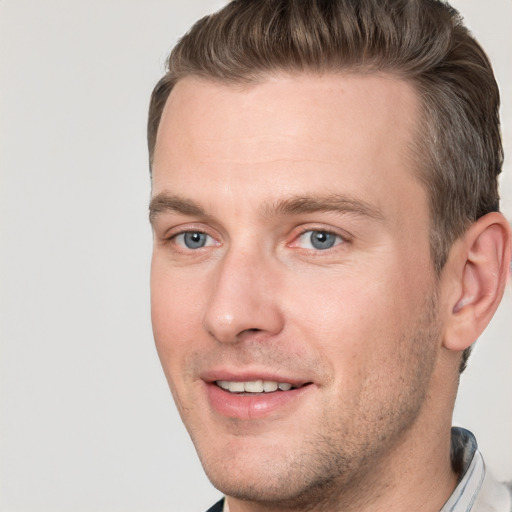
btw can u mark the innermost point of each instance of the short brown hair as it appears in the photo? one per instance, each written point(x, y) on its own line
point(458, 146)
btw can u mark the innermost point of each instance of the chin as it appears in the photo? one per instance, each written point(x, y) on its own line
point(269, 472)
point(261, 485)
point(248, 469)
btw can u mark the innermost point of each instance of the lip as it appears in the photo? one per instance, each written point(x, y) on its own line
point(250, 375)
point(253, 406)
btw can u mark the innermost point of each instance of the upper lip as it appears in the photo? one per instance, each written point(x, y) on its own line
point(231, 375)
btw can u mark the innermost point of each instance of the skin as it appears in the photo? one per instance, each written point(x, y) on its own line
point(362, 322)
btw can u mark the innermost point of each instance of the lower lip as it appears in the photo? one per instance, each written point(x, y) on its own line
point(245, 406)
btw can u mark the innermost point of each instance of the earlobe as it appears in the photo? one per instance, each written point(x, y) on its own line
point(482, 265)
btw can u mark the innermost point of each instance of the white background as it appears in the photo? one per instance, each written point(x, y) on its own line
point(87, 422)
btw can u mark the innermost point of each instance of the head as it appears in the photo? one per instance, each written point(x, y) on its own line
point(314, 86)
point(458, 145)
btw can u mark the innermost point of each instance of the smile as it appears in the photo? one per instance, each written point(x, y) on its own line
point(255, 386)
point(255, 398)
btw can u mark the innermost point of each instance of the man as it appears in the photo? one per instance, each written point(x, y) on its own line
point(327, 248)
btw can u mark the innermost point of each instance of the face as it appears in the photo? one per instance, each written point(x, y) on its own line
point(293, 296)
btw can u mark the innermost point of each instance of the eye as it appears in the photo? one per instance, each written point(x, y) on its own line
point(319, 240)
point(194, 240)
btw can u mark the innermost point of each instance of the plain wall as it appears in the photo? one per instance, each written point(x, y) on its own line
point(86, 420)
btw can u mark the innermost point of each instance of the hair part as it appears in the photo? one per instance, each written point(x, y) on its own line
point(457, 148)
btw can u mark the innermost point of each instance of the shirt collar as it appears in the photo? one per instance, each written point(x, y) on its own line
point(468, 462)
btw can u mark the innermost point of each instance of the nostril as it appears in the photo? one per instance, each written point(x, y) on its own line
point(248, 332)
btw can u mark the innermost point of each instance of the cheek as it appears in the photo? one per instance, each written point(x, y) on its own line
point(176, 305)
point(174, 320)
point(344, 302)
point(355, 319)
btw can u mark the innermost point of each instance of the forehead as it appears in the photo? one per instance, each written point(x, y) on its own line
point(311, 101)
point(301, 133)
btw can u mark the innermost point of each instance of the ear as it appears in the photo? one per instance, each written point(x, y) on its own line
point(477, 271)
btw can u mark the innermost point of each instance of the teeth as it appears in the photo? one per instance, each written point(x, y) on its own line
point(253, 386)
point(270, 386)
point(236, 387)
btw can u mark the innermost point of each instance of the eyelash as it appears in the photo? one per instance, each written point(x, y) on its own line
point(344, 239)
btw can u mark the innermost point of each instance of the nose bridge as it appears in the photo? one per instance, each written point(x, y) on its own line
point(243, 296)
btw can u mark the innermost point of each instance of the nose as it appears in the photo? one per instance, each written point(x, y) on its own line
point(244, 298)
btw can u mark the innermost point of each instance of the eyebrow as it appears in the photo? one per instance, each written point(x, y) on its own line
point(336, 203)
point(163, 203)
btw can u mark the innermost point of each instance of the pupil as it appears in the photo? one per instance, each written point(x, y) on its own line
point(322, 240)
point(195, 240)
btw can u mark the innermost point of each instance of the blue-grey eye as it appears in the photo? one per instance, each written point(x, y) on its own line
point(322, 240)
point(318, 240)
point(194, 239)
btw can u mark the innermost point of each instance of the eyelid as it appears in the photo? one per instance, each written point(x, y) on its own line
point(188, 227)
point(174, 232)
point(171, 234)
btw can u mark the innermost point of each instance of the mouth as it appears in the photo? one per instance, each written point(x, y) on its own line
point(256, 387)
point(255, 398)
